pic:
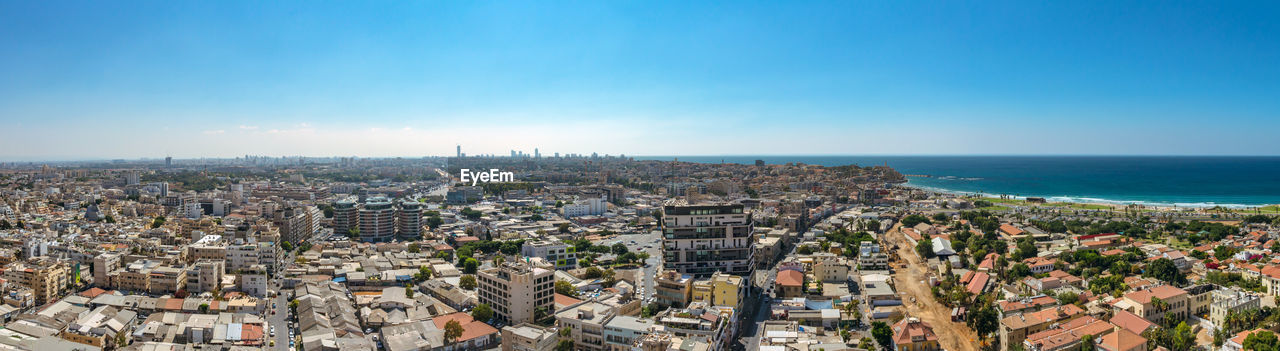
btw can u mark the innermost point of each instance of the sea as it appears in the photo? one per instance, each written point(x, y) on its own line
point(1184, 181)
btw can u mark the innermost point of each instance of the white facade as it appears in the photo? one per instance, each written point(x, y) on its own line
point(585, 207)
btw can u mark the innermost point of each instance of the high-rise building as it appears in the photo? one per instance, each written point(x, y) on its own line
point(346, 216)
point(516, 291)
point(168, 161)
point(706, 238)
point(459, 150)
point(409, 220)
point(377, 220)
point(131, 178)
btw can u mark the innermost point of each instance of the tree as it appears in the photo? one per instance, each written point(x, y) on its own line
point(470, 266)
point(482, 313)
point(913, 220)
point(1086, 343)
point(883, 335)
point(286, 246)
point(565, 345)
point(610, 277)
point(985, 321)
point(414, 248)
point(925, 247)
point(110, 219)
point(434, 221)
point(805, 250)
point(565, 288)
point(157, 222)
point(866, 344)
point(424, 274)
point(619, 249)
point(1018, 271)
point(1223, 252)
point(1164, 269)
point(204, 308)
point(1261, 341)
point(467, 282)
point(592, 273)
point(452, 331)
point(408, 290)
point(564, 228)
point(4, 225)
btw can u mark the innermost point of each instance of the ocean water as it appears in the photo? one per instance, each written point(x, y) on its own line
point(1191, 181)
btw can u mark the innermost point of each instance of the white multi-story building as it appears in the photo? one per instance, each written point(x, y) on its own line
point(244, 256)
point(562, 255)
point(593, 206)
point(707, 238)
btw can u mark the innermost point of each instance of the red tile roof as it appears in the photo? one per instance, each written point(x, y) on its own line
point(790, 277)
point(471, 328)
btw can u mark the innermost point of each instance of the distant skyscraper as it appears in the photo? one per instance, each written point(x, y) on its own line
point(536, 154)
point(168, 161)
point(459, 150)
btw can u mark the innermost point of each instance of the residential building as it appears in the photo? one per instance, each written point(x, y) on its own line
point(516, 291)
point(529, 337)
point(790, 283)
point(377, 220)
point(623, 331)
point(48, 278)
point(707, 238)
point(346, 216)
point(409, 220)
point(562, 255)
point(673, 288)
point(206, 276)
point(586, 322)
point(911, 334)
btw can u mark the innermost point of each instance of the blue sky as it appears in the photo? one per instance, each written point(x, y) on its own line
point(191, 79)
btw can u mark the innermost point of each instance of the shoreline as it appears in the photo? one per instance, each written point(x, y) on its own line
point(1113, 204)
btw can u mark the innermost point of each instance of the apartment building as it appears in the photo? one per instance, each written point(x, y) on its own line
point(529, 337)
point(135, 277)
point(586, 323)
point(707, 238)
point(409, 220)
point(593, 206)
point(253, 280)
point(377, 220)
point(516, 290)
point(563, 255)
point(346, 216)
point(47, 278)
point(673, 288)
point(623, 331)
point(103, 265)
point(206, 275)
point(167, 280)
point(244, 256)
point(297, 223)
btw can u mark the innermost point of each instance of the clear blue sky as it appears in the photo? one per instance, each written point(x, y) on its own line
point(368, 78)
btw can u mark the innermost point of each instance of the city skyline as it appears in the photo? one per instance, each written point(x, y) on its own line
point(190, 80)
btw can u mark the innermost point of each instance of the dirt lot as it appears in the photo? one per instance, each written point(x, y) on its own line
point(951, 335)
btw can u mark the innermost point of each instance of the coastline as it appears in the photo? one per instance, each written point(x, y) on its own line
point(1100, 203)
